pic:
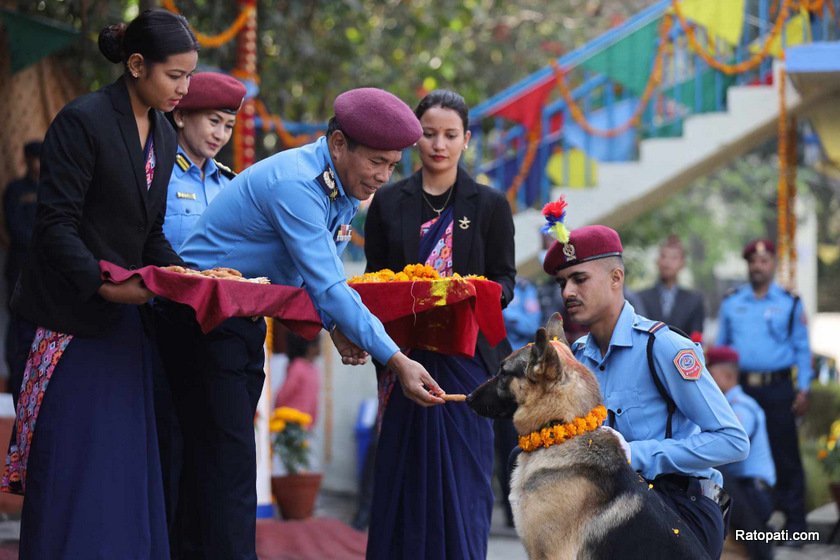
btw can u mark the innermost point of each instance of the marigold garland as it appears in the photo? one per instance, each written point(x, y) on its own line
point(653, 82)
point(410, 273)
point(557, 434)
point(215, 41)
point(740, 67)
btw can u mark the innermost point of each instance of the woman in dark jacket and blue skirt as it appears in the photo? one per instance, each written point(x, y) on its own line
point(85, 451)
point(432, 495)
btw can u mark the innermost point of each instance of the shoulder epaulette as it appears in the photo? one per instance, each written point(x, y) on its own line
point(327, 181)
point(730, 291)
point(225, 170)
point(656, 326)
point(182, 162)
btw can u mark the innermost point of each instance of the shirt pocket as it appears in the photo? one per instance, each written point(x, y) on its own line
point(630, 415)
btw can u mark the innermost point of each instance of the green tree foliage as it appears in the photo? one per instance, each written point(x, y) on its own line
point(714, 216)
point(311, 51)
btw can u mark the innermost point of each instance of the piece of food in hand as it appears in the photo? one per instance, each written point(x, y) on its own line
point(454, 397)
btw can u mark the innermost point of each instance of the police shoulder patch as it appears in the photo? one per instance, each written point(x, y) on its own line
point(225, 170)
point(327, 181)
point(182, 162)
point(689, 366)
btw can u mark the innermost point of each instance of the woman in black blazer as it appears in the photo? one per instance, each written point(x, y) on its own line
point(90, 471)
point(432, 495)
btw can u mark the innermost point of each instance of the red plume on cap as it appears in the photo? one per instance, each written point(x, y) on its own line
point(555, 217)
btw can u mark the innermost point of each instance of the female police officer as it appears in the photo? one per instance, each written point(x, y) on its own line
point(204, 121)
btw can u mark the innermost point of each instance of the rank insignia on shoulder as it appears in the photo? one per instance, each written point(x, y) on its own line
point(182, 162)
point(344, 233)
point(225, 170)
point(185, 195)
point(327, 181)
point(688, 365)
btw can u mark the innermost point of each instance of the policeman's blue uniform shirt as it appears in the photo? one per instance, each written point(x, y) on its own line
point(188, 196)
point(705, 431)
point(276, 219)
point(758, 330)
point(759, 463)
point(522, 315)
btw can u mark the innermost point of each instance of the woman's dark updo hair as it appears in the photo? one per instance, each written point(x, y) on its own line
point(447, 100)
point(155, 34)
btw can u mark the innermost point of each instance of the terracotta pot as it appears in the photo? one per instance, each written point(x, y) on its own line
point(296, 493)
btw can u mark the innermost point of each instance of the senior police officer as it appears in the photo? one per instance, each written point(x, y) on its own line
point(659, 396)
point(748, 482)
point(286, 217)
point(204, 121)
point(767, 326)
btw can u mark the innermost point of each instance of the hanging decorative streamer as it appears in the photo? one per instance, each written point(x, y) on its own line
point(653, 81)
point(786, 196)
point(226, 36)
point(534, 135)
point(741, 67)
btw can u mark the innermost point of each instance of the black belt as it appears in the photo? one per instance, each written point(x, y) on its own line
point(708, 487)
point(764, 378)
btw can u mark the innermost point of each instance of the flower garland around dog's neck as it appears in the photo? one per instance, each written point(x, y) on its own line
point(557, 434)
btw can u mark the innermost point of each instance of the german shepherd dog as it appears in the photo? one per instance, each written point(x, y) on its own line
point(579, 499)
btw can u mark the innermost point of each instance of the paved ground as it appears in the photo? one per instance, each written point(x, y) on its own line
point(504, 544)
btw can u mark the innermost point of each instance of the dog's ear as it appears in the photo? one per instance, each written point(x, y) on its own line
point(540, 342)
point(554, 328)
point(544, 361)
point(550, 365)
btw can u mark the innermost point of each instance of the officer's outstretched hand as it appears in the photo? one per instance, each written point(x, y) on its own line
point(133, 292)
point(351, 354)
point(417, 384)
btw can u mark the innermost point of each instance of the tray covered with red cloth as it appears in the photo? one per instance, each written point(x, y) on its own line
point(443, 315)
point(215, 300)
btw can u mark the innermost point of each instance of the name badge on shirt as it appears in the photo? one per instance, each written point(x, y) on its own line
point(344, 233)
point(186, 195)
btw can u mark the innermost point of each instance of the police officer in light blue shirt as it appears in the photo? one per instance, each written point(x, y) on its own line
point(767, 326)
point(748, 482)
point(659, 396)
point(288, 218)
point(204, 121)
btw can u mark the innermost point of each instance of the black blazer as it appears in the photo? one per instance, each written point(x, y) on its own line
point(687, 314)
point(486, 247)
point(93, 204)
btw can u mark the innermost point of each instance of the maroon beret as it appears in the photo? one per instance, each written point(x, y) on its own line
point(721, 355)
point(585, 244)
point(760, 246)
point(215, 91)
point(376, 119)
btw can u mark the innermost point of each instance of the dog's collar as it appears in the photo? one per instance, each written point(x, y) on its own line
point(558, 433)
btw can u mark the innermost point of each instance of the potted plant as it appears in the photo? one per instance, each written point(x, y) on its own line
point(296, 491)
point(828, 454)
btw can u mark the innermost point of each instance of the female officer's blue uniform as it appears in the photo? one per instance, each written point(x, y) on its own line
point(704, 430)
point(189, 194)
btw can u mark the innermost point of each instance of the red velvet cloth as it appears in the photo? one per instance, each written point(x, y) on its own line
point(440, 315)
point(215, 300)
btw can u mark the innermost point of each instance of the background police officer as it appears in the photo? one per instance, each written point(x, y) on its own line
point(767, 326)
point(204, 120)
point(748, 482)
point(286, 217)
point(704, 431)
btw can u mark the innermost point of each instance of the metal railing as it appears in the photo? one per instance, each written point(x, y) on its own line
point(687, 85)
